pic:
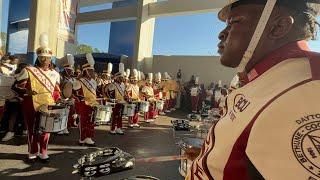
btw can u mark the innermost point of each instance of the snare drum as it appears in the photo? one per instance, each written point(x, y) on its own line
point(159, 105)
point(102, 114)
point(184, 144)
point(6, 83)
point(144, 106)
point(129, 110)
point(54, 120)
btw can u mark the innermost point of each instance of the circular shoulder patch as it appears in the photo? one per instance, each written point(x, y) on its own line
point(306, 147)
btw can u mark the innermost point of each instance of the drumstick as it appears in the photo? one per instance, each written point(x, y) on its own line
point(160, 159)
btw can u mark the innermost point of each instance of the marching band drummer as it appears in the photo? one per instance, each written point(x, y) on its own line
point(37, 85)
point(133, 94)
point(85, 92)
point(157, 89)
point(104, 80)
point(116, 91)
point(165, 92)
point(148, 94)
point(67, 80)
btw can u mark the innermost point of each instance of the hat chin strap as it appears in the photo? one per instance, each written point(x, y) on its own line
point(257, 35)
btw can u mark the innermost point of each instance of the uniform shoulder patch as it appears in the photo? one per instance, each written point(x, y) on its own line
point(306, 143)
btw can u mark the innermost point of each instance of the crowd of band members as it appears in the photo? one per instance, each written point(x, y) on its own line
point(88, 91)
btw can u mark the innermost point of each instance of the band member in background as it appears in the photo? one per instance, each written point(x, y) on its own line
point(133, 94)
point(157, 89)
point(85, 91)
point(195, 95)
point(105, 79)
point(116, 92)
point(67, 81)
point(9, 65)
point(217, 94)
point(37, 86)
point(166, 92)
point(148, 94)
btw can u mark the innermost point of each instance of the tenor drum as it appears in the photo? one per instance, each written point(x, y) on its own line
point(103, 114)
point(159, 105)
point(184, 144)
point(54, 119)
point(6, 83)
point(144, 106)
point(129, 110)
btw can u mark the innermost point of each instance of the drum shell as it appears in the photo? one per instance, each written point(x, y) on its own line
point(144, 106)
point(103, 114)
point(129, 110)
point(159, 105)
point(55, 120)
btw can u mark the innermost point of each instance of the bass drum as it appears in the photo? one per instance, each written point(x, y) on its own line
point(67, 89)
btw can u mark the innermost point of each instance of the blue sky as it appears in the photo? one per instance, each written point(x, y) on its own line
point(178, 35)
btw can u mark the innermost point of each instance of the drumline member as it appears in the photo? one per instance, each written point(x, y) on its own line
point(148, 94)
point(165, 92)
point(157, 89)
point(195, 95)
point(116, 91)
point(67, 81)
point(37, 86)
point(133, 94)
point(85, 91)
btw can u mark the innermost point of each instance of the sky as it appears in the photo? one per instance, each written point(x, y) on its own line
point(195, 34)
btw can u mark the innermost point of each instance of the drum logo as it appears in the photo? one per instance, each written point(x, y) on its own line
point(240, 103)
point(306, 147)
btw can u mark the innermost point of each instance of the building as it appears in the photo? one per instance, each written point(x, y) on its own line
point(132, 31)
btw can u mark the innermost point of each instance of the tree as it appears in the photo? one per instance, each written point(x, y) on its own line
point(3, 39)
point(83, 49)
point(96, 50)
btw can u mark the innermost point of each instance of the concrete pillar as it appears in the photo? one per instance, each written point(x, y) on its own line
point(43, 19)
point(144, 37)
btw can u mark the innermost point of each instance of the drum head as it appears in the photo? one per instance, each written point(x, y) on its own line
point(67, 90)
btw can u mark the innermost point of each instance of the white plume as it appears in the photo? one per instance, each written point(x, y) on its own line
point(150, 76)
point(110, 66)
point(90, 59)
point(121, 68)
point(70, 59)
point(128, 73)
point(134, 73)
point(139, 75)
point(44, 40)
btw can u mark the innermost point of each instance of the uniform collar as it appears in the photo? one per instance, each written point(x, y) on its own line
point(295, 49)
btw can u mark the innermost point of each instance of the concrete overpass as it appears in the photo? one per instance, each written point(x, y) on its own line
point(145, 12)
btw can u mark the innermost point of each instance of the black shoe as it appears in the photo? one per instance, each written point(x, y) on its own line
point(90, 145)
point(30, 161)
point(44, 161)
